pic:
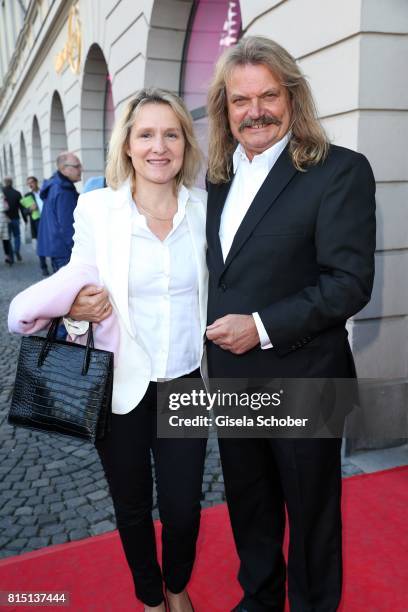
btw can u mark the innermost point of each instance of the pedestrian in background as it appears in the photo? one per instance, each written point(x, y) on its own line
point(13, 212)
point(34, 202)
point(56, 227)
point(4, 231)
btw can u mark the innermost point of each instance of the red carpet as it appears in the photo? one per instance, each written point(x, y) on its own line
point(95, 574)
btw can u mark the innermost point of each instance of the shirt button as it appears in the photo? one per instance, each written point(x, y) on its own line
point(223, 287)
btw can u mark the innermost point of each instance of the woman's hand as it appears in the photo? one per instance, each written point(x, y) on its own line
point(91, 304)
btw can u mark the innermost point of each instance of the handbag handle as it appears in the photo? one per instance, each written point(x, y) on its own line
point(52, 336)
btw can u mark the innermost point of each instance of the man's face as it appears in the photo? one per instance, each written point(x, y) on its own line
point(72, 168)
point(32, 184)
point(259, 108)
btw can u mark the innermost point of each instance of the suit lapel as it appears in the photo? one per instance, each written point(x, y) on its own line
point(276, 181)
point(216, 201)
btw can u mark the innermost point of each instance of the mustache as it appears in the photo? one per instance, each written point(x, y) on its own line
point(262, 120)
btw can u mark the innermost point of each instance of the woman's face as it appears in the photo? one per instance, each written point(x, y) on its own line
point(156, 144)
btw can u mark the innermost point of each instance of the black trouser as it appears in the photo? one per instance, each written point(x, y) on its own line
point(179, 465)
point(8, 251)
point(261, 477)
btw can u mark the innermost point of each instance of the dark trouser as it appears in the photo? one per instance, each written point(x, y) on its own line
point(34, 223)
point(261, 477)
point(14, 229)
point(179, 465)
point(59, 262)
point(43, 264)
point(8, 251)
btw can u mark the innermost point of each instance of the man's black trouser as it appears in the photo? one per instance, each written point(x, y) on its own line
point(125, 453)
point(261, 477)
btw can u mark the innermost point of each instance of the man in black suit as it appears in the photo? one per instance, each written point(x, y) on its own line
point(291, 241)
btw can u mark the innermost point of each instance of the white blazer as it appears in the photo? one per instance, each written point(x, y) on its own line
point(102, 239)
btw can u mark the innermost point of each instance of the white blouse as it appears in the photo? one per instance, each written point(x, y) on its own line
point(163, 295)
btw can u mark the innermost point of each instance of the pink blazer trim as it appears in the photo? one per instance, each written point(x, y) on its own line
point(32, 309)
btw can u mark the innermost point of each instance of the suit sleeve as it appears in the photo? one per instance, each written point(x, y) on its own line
point(345, 246)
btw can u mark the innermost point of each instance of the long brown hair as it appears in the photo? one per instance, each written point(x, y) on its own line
point(308, 144)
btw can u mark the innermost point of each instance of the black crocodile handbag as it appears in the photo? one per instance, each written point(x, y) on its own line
point(63, 387)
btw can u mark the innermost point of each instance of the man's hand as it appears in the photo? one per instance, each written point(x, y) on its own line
point(91, 304)
point(235, 333)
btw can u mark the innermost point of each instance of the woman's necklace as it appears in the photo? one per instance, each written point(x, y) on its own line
point(154, 216)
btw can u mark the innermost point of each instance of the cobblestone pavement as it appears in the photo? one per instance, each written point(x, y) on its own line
point(52, 489)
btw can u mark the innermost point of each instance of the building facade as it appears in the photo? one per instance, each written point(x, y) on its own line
point(66, 68)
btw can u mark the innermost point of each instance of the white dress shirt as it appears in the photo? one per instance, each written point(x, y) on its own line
point(163, 295)
point(248, 178)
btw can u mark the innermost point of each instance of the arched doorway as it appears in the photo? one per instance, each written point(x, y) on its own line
point(97, 113)
point(167, 32)
point(213, 27)
point(23, 162)
point(58, 132)
point(37, 153)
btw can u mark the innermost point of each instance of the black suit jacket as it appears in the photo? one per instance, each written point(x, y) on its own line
point(303, 257)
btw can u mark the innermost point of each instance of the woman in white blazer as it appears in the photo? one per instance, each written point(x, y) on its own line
point(138, 263)
point(145, 235)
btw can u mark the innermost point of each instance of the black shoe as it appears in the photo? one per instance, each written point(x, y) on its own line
point(18, 256)
point(45, 272)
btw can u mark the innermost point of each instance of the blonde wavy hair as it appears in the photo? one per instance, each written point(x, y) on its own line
point(119, 165)
point(308, 144)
